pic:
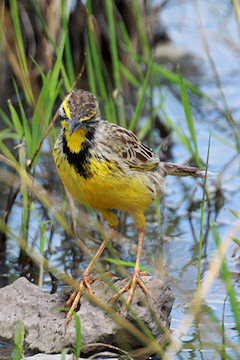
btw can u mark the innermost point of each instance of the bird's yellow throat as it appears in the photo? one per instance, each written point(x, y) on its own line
point(76, 140)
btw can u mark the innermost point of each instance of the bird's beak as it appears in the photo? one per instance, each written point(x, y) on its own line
point(74, 125)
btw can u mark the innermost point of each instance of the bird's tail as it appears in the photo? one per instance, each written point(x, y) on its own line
point(182, 170)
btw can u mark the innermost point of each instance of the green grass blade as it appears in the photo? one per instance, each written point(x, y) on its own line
point(1, 28)
point(172, 77)
point(39, 116)
point(113, 44)
point(40, 18)
point(129, 76)
point(127, 46)
point(8, 134)
point(48, 36)
point(235, 213)
point(89, 67)
point(16, 121)
point(24, 192)
point(18, 340)
point(119, 262)
point(202, 214)
point(140, 101)
point(42, 250)
point(21, 52)
point(189, 118)
point(98, 66)
point(236, 241)
point(57, 67)
point(144, 129)
point(115, 61)
point(178, 130)
point(141, 28)
point(65, 79)
point(45, 103)
point(64, 353)
point(27, 132)
point(67, 50)
point(6, 119)
point(228, 283)
point(78, 335)
point(39, 69)
point(96, 63)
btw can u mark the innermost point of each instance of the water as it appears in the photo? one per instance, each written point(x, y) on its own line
point(175, 254)
point(5, 350)
point(219, 24)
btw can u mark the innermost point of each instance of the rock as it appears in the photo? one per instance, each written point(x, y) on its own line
point(44, 322)
point(50, 357)
point(67, 357)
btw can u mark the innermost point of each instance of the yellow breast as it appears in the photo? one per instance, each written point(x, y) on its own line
point(109, 189)
point(105, 188)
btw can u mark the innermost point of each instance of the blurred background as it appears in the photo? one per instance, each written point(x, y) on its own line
point(169, 71)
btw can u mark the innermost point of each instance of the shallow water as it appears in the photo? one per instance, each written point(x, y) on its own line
point(175, 253)
point(220, 28)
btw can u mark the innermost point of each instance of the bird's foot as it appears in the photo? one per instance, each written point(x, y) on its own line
point(131, 284)
point(85, 284)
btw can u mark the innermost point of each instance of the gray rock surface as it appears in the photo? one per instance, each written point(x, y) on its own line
point(50, 357)
point(44, 322)
point(41, 356)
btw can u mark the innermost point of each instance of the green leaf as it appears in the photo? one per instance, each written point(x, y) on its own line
point(18, 340)
point(127, 46)
point(57, 66)
point(67, 49)
point(64, 352)
point(89, 67)
point(39, 117)
point(27, 132)
point(189, 118)
point(228, 283)
point(78, 335)
point(8, 134)
point(202, 215)
point(236, 241)
point(24, 191)
point(141, 28)
point(235, 213)
point(115, 61)
point(21, 54)
point(98, 64)
point(39, 69)
point(6, 119)
point(172, 77)
point(141, 98)
point(1, 27)
point(119, 262)
point(16, 120)
point(129, 76)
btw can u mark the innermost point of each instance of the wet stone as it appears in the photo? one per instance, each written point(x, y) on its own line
point(44, 322)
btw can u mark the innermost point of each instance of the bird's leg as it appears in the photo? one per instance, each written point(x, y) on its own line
point(87, 279)
point(135, 277)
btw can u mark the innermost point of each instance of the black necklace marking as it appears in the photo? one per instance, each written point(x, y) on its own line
point(80, 160)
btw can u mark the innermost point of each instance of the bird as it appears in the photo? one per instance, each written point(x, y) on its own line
point(107, 167)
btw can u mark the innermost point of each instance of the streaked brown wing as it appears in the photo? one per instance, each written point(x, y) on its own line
point(134, 153)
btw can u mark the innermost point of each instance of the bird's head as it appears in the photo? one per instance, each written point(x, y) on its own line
point(78, 107)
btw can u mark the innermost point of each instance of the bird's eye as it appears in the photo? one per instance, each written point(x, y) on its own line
point(61, 113)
